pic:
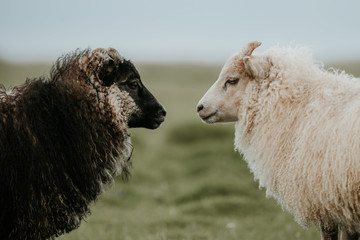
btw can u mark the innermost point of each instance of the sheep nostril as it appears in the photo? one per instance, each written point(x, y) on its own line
point(200, 107)
point(163, 112)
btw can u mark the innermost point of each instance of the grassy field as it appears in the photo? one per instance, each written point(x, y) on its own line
point(187, 182)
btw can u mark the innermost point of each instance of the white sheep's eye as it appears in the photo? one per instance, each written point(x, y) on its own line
point(231, 81)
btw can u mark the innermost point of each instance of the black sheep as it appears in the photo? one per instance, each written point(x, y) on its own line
point(64, 137)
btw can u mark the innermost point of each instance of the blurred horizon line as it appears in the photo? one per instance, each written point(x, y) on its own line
point(165, 60)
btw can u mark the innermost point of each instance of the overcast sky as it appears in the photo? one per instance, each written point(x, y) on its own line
point(181, 30)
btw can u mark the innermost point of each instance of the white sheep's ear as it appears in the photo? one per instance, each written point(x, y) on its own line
point(247, 51)
point(257, 68)
point(249, 67)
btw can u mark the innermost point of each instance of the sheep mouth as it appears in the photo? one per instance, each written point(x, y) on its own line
point(146, 122)
point(208, 118)
point(156, 122)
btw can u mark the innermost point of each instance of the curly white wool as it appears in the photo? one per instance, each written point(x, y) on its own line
point(299, 131)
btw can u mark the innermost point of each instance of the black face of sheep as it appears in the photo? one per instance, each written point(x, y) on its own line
point(150, 113)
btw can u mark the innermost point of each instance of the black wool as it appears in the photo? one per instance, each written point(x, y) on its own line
point(61, 140)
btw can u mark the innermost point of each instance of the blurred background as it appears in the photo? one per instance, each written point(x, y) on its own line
point(187, 181)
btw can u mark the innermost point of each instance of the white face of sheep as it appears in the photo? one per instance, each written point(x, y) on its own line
point(221, 102)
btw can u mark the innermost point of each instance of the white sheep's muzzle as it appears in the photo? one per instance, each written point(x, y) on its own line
point(215, 106)
point(209, 116)
point(207, 110)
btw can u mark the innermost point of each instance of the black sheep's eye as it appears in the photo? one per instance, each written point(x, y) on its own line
point(133, 85)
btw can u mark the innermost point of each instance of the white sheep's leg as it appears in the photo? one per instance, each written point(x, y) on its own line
point(331, 234)
point(349, 236)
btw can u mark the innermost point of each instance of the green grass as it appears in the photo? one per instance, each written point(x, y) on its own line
point(187, 181)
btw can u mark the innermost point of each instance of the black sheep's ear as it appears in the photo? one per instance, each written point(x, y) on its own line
point(108, 72)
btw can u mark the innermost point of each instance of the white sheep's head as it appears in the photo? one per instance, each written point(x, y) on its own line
point(221, 102)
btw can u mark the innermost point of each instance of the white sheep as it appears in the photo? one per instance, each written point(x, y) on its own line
point(298, 127)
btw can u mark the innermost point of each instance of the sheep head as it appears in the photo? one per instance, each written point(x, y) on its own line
point(118, 78)
point(221, 102)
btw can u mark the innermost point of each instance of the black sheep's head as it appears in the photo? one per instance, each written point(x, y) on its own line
point(119, 72)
